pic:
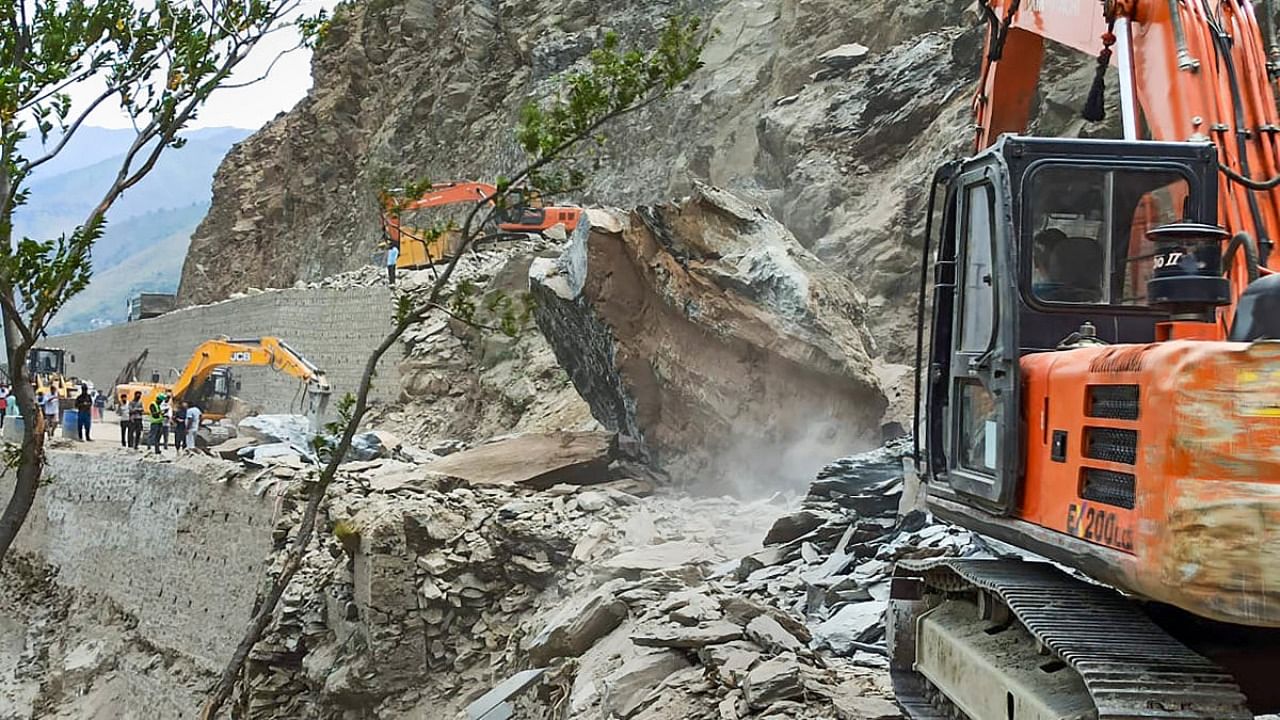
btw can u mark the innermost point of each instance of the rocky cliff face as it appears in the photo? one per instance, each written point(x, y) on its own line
point(412, 86)
point(838, 146)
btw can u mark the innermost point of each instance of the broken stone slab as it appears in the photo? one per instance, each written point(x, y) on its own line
point(852, 625)
point(879, 470)
point(230, 449)
point(743, 610)
point(260, 454)
point(533, 460)
point(496, 704)
point(697, 608)
point(731, 660)
point(627, 688)
point(373, 444)
point(772, 681)
point(794, 526)
point(576, 628)
point(851, 704)
point(664, 556)
point(770, 635)
point(678, 636)
point(845, 56)
point(288, 429)
point(591, 501)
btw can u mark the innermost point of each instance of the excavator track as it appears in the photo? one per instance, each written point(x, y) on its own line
point(1130, 667)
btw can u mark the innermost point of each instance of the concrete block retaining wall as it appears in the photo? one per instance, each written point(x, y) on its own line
point(170, 543)
point(334, 328)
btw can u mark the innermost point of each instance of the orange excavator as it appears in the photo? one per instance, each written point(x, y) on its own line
point(420, 246)
point(1101, 381)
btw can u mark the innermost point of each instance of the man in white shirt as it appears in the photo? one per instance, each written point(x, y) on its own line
point(51, 406)
point(193, 425)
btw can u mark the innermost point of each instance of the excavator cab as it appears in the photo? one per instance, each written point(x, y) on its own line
point(216, 394)
point(1041, 241)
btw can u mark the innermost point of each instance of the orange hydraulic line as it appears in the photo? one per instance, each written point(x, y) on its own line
point(1206, 82)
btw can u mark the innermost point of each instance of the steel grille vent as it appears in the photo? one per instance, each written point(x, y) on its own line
point(1113, 402)
point(1111, 444)
point(1108, 487)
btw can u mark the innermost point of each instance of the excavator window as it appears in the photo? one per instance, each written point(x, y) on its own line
point(1088, 231)
point(979, 288)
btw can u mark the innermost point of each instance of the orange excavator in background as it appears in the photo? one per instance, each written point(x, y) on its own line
point(1102, 381)
point(207, 380)
point(419, 247)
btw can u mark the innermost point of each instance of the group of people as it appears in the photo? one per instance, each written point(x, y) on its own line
point(161, 416)
point(89, 405)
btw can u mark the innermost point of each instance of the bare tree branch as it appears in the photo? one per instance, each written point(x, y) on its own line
point(265, 73)
point(30, 165)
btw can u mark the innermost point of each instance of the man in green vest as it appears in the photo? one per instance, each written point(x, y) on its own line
point(155, 415)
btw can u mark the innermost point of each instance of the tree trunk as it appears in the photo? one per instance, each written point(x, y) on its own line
point(31, 455)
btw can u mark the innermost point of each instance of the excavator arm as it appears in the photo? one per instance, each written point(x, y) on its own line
point(524, 213)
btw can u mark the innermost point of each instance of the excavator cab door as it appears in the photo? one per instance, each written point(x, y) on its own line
point(974, 420)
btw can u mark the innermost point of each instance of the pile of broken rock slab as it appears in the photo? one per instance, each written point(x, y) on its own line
point(793, 630)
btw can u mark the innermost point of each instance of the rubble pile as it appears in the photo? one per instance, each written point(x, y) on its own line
point(425, 582)
point(461, 381)
point(571, 597)
point(794, 630)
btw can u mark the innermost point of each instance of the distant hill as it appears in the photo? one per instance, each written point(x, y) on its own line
point(148, 228)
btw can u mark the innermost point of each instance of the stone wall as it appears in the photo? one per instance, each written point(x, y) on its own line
point(178, 545)
point(336, 328)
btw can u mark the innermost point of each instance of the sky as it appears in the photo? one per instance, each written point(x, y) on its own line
point(248, 107)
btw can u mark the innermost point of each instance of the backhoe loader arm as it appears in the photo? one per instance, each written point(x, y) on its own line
point(1188, 71)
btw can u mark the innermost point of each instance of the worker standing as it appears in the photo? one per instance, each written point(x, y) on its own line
point(84, 414)
point(122, 417)
point(135, 420)
point(51, 407)
point(99, 404)
point(4, 403)
point(193, 425)
point(393, 256)
point(155, 420)
point(166, 410)
point(180, 428)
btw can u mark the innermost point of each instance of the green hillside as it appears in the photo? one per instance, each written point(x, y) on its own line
point(142, 254)
point(182, 177)
point(149, 227)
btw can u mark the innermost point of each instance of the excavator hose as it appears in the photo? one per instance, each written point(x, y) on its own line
point(1244, 240)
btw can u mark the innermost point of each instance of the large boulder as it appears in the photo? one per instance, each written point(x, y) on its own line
point(705, 332)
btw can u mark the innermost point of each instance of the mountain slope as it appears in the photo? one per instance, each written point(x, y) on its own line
point(141, 254)
point(182, 176)
point(840, 151)
point(149, 227)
